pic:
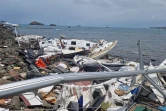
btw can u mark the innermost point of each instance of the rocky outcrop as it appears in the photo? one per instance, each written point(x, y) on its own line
point(35, 23)
point(52, 25)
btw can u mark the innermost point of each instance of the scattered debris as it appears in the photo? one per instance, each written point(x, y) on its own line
point(33, 56)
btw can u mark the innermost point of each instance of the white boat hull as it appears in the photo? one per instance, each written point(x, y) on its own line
point(100, 54)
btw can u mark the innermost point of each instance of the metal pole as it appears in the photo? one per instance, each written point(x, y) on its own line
point(146, 76)
point(140, 56)
point(17, 88)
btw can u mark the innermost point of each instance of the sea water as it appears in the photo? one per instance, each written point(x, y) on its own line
point(153, 40)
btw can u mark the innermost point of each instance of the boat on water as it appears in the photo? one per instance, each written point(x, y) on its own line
point(7, 24)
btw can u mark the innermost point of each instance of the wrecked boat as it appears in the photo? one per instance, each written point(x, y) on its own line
point(29, 41)
point(102, 89)
point(101, 49)
point(68, 47)
point(72, 47)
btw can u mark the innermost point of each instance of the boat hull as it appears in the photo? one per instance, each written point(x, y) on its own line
point(101, 54)
point(72, 55)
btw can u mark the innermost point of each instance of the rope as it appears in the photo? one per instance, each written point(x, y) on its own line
point(152, 51)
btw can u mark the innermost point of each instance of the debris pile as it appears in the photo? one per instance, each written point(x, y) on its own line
point(21, 64)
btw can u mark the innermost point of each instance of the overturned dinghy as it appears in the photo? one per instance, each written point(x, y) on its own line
point(101, 49)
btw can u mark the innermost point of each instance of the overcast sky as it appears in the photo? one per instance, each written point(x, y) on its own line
point(101, 13)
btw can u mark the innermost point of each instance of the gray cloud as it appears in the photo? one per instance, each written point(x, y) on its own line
point(116, 13)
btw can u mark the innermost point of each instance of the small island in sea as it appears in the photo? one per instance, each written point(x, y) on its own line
point(52, 24)
point(35, 23)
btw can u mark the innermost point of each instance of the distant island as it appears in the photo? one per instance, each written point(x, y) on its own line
point(52, 25)
point(35, 23)
point(157, 27)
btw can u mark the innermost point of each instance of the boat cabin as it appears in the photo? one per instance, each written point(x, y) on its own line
point(68, 43)
point(50, 42)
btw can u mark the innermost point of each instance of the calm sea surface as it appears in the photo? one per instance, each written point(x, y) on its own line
point(153, 40)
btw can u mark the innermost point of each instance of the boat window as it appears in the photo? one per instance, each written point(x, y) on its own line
point(32, 39)
point(71, 48)
point(101, 44)
point(42, 42)
point(73, 42)
point(49, 42)
point(87, 44)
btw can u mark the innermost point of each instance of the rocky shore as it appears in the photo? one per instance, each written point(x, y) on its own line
point(9, 53)
point(11, 64)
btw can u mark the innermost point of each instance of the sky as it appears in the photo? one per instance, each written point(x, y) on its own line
point(97, 13)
